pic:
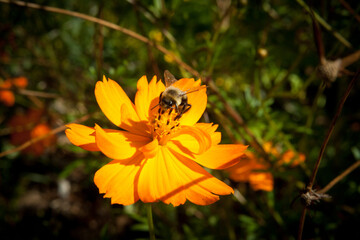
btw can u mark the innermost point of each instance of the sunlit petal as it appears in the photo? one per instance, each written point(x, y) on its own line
point(192, 140)
point(210, 129)
point(194, 173)
point(142, 98)
point(118, 180)
point(151, 149)
point(119, 144)
point(221, 156)
point(197, 99)
point(112, 99)
point(165, 178)
point(148, 187)
point(147, 97)
point(160, 182)
point(82, 136)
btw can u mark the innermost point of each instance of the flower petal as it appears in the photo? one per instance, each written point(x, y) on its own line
point(199, 184)
point(113, 101)
point(192, 140)
point(142, 98)
point(82, 136)
point(221, 156)
point(172, 178)
point(159, 182)
point(197, 99)
point(118, 180)
point(151, 149)
point(147, 97)
point(291, 158)
point(241, 171)
point(261, 181)
point(117, 144)
point(210, 129)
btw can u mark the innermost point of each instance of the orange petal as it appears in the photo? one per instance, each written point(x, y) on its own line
point(291, 158)
point(113, 101)
point(158, 181)
point(20, 82)
point(241, 171)
point(151, 149)
point(82, 136)
point(248, 166)
point(171, 180)
point(221, 156)
point(118, 180)
point(7, 97)
point(199, 181)
point(139, 128)
point(142, 98)
point(261, 181)
point(210, 129)
point(197, 99)
point(192, 140)
point(119, 144)
point(147, 97)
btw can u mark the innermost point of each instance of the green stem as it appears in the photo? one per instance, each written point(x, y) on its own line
point(150, 222)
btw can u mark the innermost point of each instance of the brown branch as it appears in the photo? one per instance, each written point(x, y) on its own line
point(323, 23)
point(340, 177)
point(31, 92)
point(322, 149)
point(37, 94)
point(349, 8)
point(106, 24)
point(318, 38)
point(332, 126)
point(350, 59)
point(34, 140)
point(301, 223)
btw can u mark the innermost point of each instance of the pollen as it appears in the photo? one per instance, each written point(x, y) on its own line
point(164, 125)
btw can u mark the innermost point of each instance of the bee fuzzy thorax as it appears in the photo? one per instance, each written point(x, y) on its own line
point(172, 96)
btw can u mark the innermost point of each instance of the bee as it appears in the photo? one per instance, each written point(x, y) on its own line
point(173, 98)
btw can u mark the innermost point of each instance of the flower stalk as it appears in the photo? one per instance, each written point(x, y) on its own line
point(150, 221)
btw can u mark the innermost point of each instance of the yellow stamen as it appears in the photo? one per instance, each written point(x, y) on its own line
point(164, 125)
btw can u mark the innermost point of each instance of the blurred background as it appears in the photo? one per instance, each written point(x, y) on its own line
point(261, 59)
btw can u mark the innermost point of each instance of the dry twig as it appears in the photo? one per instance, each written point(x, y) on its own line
point(309, 187)
point(340, 177)
point(34, 140)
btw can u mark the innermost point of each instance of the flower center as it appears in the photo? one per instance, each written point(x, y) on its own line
point(164, 125)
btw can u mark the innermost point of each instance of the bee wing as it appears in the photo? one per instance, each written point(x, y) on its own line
point(195, 89)
point(169, 78)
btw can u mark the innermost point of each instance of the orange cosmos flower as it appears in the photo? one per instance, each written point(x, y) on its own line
point(29, 126)
point(254, 171)
point(20, 82)
point(7, 96)
point(292, 158)
point(156, 157)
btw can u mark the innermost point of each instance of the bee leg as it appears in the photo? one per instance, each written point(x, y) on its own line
point(186, 107)
point(171, 109)
point(160, 97)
